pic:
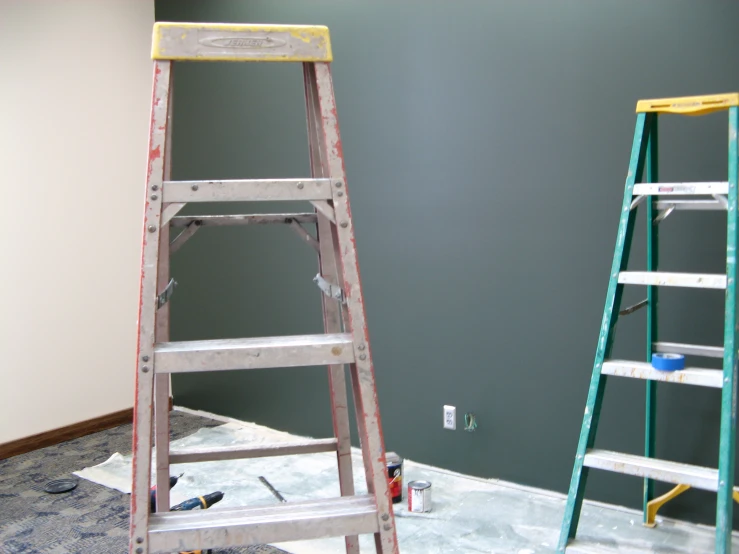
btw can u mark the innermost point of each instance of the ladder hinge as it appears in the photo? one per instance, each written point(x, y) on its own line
point(330, 290)
point(722, 200)
point(663, 214)
point(166, 294)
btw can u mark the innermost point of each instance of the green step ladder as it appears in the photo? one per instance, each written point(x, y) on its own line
point(660, 200)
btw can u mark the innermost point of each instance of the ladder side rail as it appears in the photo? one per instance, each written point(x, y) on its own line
point(727, 454)
point(144, 383)
point(331, 310)
point(363, 382)
point(162, 381)
point(605, 340)
point(650, 429)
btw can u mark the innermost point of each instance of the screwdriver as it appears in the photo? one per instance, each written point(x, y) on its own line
point(153, 494)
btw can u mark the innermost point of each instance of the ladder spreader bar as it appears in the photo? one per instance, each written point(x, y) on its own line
point(663, 279)
point(240, 43)
point(634, 307)
point(676, 189)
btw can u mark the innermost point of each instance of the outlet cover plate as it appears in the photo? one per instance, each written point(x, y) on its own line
point(450, 418)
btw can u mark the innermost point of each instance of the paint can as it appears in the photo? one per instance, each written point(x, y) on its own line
point(395, 476)
point(419, 496)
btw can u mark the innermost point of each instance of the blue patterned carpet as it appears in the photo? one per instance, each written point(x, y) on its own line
point(91, 519)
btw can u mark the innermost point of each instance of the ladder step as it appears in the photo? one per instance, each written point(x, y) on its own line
point(591, 545)
point(669, 189)
point(253, 353)
point(228, 527)
point(643, 370)
point(246, 219)
point(690, 205)
point(246, 190)
point(690, 280)
point(661, 470)
point(184, 456)
point(689, 349)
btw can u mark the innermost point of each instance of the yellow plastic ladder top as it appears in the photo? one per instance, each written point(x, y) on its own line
point(240, 42)
point(690, 105)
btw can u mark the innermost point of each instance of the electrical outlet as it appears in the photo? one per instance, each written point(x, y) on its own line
point(450, 417)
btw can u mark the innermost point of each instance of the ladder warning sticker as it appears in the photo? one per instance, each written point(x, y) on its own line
point(679, 189)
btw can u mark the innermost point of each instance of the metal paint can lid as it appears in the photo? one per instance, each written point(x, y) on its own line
point(419, 485)
point(60, 485)
point(393, 458)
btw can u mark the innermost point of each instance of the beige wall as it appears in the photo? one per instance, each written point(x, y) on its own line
point(75, 87)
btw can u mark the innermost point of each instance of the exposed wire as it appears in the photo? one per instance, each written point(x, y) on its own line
point(470, 423)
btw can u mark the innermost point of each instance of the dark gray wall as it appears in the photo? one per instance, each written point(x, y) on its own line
point(486, 147)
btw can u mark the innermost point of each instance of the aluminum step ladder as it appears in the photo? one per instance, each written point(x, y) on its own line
point(345, 341)
point(660, 200)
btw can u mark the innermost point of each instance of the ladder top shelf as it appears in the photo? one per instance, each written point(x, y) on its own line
point(229, 42)
point(690, 105)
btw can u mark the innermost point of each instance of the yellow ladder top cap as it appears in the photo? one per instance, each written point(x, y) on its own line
point(240, 42)
point(690, 105)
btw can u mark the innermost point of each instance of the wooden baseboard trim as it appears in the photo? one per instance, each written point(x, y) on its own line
point(74, 431)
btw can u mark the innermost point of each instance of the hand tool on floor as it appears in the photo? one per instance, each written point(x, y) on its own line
point(153, 495)
point(60, 485)
point(344, 343)
point(204, 502)
point(661, 199)
point(273, 490)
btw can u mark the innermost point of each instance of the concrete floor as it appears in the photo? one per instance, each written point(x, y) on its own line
point(469, 515)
